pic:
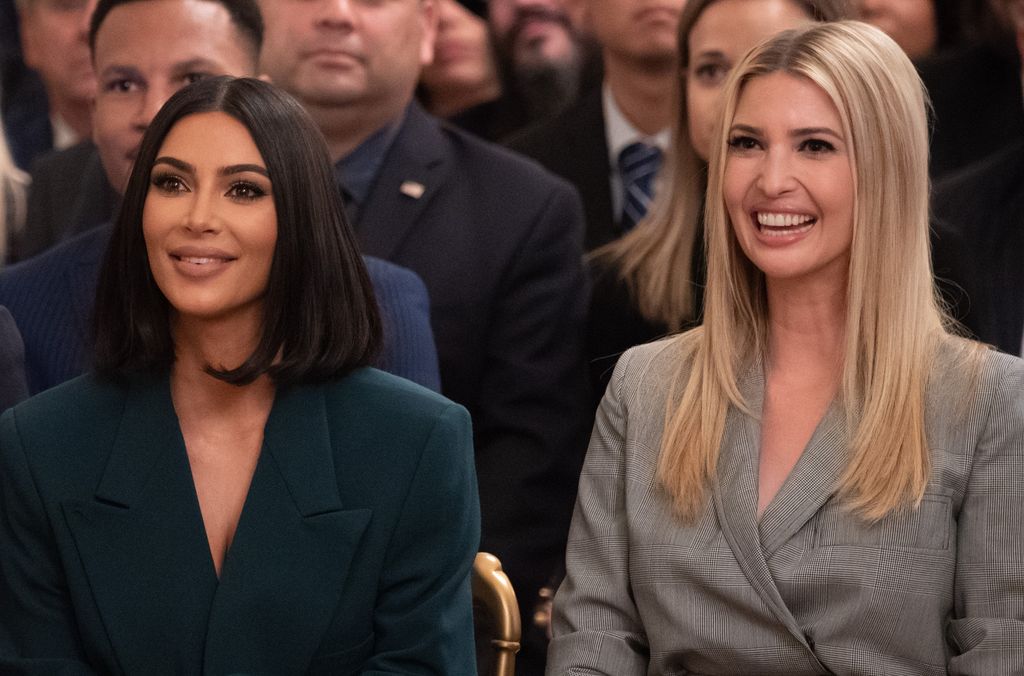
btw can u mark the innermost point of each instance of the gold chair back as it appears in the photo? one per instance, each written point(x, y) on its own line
point(493, 593)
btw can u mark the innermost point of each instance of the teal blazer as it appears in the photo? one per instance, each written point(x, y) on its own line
point(352, 554)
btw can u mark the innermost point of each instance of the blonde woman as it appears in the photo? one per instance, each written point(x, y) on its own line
point(13, 186)
point(821, 479)
point(649, 282)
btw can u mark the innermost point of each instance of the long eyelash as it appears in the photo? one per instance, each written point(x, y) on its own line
point(255, 190)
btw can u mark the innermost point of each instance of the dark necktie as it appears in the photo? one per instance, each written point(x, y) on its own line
point(638, 165)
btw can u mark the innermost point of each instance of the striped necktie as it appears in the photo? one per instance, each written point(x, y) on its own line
point(638, 165)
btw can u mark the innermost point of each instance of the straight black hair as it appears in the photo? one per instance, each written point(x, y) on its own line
point(245, 14)
point(320, 315)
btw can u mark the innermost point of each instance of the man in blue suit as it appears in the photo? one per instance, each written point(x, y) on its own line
point(51, 295)
point(496, 239)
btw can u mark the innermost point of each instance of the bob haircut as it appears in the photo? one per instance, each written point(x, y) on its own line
point(656, 259)
point(320, 315)
point(893, 317)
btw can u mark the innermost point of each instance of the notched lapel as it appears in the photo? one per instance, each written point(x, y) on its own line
point(283, 577)
point(141, 539)
point(810, 484)
point(417, 157)
point(735, 498)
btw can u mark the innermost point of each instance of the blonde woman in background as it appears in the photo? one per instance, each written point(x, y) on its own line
point(649, 283)
point(820, 479)
point(13, 188)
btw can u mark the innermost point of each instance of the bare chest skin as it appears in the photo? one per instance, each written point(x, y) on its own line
point(793, 407)
point(223, 450)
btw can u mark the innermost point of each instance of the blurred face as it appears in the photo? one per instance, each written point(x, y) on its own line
point(209, 220)
point(55, 41)
point(639, 32)
point(721, 36)
point(911, 23)
point(533, 33)
point(789, 186)
point(462, 52)
point(344, 52)
point(196, 39)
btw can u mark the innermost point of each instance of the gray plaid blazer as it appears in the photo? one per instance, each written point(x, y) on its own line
point(809, 589)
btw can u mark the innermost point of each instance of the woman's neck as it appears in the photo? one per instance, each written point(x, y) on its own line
point(221, 345)
point(806, 328)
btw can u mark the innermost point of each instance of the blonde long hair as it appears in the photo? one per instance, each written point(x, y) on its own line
point(13, 189)
point(893, 316)
point(655, 259)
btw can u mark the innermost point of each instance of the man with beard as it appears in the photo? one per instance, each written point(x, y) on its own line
point(543, 61)
point(609, 143)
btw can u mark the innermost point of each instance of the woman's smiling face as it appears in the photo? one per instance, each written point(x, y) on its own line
point(209, 219)
point(789, 184)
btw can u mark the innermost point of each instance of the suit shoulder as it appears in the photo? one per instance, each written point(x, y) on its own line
point(58, 163)
point(990, 181)
point(493, 165)
point(386, 274)
point(81, 399)
point(44, 269)
point(382, 398)
point(651, 369)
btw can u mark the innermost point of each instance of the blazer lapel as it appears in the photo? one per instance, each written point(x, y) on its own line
point(735, 499)
point(810, 484)
point(412, 172)
point(141, 539)
point(283, 577)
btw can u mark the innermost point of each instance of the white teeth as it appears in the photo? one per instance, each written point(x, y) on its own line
point(195, 260)
point(771, 220)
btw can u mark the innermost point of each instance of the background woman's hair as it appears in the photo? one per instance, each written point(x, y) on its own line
point(13, 196)
point(656, 258)
point(320, 315)
point(893, 318)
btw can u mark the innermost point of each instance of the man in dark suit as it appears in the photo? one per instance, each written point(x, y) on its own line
point(53, 40)
point(496, 239)
point(13, 387)
point(51, 296)
point(599, 143)
point(978, 241)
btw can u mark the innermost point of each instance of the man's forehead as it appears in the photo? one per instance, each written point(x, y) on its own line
point(165, 33)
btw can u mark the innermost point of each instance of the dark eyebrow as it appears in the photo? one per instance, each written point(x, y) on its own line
point(195, 64)
point(176, 163)
point(223, 171)
point(239, 168)
point(120, 71)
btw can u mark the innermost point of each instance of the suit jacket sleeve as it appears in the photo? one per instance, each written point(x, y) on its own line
point(988, 629)
point(13, 385)
point(37, 626)
point(532, 422)
point(597, 628)
point(424, 619)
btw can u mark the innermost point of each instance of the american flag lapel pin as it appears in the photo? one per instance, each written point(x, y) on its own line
point(412, 189)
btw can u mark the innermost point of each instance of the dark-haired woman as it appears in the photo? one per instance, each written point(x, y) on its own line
point(234, 491)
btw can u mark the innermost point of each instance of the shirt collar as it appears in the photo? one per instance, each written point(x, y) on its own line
point(620, 132)
point(357, 171)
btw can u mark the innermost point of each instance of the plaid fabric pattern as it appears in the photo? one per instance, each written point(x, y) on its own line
point(810, 588)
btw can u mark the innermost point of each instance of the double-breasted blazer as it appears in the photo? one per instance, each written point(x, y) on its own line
point(352, 553)
point(810, 588)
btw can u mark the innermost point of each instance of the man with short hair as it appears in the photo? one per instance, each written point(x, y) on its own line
point(615, 136)
point(144, 51)
point(496, 239)
point(54, 43)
